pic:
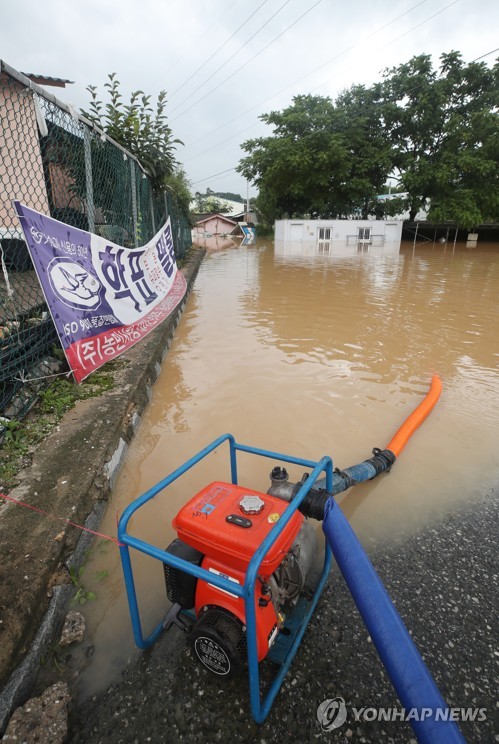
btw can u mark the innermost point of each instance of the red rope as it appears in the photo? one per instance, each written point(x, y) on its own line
point(61, 519)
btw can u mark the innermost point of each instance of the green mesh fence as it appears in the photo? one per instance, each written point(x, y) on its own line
point(58, 164)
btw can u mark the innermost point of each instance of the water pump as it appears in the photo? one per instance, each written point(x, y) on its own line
point(220, 529)
point(243, 561)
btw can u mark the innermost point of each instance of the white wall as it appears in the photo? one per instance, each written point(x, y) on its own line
point(342, 231)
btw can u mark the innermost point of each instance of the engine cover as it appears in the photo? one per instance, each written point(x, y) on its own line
point(208, 595)
point(228, 523)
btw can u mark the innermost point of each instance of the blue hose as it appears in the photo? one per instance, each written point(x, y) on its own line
point(315, 501)
point(409, 675)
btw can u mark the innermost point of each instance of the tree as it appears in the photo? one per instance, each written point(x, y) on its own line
point(435, 131)
point(231, 196)
point(443, 128)
point(178, 185)
point(358, 120)
point(323, 160)
point(139, 127)
point(208, 203)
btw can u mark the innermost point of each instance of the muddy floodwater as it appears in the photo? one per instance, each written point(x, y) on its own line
point(312, 355)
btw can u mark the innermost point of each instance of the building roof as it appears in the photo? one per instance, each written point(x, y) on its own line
point(216, 214)
point(45, 80)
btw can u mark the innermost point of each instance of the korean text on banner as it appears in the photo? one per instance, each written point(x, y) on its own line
point(103, 298)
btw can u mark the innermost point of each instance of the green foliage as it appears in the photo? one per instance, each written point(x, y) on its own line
point(434, 131)
point(139, 126)
point(227, 195)
point(443, 128)
point(211, 201)
point(206, 203)
point(14, 434)
point(178, 186)
point(63, 394)
point(20, 438)
point(323, 160)
point(82, 594)
point(14, 446)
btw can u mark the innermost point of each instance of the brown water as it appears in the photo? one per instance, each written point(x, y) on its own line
point(314, 355)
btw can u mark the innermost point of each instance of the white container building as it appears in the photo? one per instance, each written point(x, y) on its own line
point(334, 236)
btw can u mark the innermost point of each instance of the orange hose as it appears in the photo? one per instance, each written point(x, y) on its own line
point(416, 418)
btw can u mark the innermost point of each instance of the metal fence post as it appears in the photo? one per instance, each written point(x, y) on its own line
point(134, 204)
point(151, 207)
point(87, 145)
point(66, 166)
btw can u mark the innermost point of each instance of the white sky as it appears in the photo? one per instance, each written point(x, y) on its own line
point(160, 44)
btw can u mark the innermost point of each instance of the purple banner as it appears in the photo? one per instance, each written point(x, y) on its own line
point(103, 298)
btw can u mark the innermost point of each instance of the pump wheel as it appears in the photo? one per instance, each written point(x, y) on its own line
point(219, 642)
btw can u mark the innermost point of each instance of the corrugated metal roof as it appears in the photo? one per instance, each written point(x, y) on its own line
point(46, 80)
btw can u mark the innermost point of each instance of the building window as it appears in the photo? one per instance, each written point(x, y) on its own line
point(324, 233)
point(364, 234)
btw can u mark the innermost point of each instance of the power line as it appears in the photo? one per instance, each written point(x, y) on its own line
point(331, 60)
point(485, 55)
point(248, 62)
point(362, 41)
point(231, 57)
point(219, 144)
point(389, 43)
point(205, 31)
point(218, 50)
point(304, 77)
point(221, 173)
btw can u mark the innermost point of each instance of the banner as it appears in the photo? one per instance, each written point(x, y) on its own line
point(103, 298)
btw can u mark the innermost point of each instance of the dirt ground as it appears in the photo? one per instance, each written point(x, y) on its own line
point(71, 475)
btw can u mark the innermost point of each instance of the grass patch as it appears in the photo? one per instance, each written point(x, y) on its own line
point(21, 437)
point(63, 394)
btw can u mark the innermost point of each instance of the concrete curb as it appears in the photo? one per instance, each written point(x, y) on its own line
point(97, 434)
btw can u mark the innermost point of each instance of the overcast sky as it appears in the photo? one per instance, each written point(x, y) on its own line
point(225, 62)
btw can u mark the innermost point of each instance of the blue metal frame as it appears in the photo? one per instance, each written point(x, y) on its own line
point(260, 705)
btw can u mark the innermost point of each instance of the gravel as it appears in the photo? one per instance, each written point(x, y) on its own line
point(443, 581)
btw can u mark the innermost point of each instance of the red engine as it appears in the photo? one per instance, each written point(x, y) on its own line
point(220, 529)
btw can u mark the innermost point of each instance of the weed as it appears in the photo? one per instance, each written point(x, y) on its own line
point(52, 654)
point(14, 448)
point(75, 573)
point(14, 434)
point(20, 439)
point(82, 594)
point(63, 394)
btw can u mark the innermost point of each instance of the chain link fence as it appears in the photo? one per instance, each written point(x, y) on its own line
point(58, 163)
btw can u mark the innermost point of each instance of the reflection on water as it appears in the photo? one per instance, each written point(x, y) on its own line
point(315, 355)
point(214, 242)
point(290, 250)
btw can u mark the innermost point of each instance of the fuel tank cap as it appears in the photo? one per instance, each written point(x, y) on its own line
point(251, 504)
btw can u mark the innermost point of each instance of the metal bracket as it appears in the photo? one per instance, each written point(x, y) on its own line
point(172, 618)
